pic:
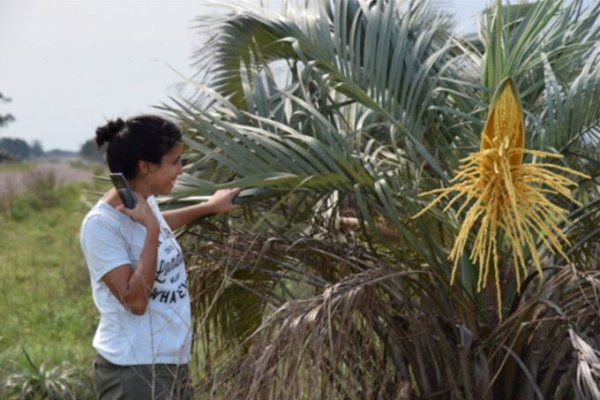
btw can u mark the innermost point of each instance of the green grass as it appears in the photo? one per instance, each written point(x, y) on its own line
point(45, 296)
point(12, 166)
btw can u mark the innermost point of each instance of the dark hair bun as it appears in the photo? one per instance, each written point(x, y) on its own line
point(107, 132)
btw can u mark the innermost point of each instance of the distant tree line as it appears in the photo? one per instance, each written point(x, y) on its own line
point(89, 151)
point(18, 149)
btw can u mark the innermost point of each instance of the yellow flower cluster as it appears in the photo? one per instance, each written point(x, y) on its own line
point(504, 198)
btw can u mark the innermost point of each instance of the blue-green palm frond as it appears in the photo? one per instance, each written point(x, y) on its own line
point(383, 55)
point(517, 35)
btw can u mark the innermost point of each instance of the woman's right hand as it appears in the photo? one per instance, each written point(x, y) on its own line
point(141, 213)
point(222, 201)
point(133, 286)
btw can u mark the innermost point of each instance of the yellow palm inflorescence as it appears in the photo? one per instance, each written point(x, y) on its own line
point(504, 196)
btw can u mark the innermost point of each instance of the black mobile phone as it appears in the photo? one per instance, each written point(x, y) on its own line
point(125, 193)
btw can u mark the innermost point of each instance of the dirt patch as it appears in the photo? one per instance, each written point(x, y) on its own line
point(62, 172)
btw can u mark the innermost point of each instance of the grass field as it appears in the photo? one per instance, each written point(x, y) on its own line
point(14, 166)
point(45, 299)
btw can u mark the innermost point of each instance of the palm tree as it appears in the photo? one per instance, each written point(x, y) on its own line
point(344, 113)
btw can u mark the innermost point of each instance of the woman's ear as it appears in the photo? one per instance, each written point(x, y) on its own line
point(145, 167)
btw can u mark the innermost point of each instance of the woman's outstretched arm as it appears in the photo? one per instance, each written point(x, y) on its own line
point(218, 203)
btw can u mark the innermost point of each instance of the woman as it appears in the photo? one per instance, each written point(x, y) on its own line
point(136, 266)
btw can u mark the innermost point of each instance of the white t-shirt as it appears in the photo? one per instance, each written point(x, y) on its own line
point(163, 334)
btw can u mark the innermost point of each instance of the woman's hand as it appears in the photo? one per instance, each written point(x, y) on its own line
point(141, 213)
point(133, 287)
point(220, 201)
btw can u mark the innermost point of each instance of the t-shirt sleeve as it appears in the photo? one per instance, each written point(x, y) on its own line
point(104, 248)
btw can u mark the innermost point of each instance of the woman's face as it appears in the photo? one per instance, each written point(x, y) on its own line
point(161, 179)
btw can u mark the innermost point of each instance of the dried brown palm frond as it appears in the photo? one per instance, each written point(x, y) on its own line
point(235, 281)
point(588, 367)
point(326, 343)
point(362, 327)
point(531, 349)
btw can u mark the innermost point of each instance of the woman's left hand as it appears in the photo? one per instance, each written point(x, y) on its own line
point(220, 202)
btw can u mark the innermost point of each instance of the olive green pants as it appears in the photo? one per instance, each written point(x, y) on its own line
point(141, 382)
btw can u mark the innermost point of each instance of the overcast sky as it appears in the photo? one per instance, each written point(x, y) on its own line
point(70, 65)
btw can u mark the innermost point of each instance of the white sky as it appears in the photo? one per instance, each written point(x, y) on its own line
point(70, 65)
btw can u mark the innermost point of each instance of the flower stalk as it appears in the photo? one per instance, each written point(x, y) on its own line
point(505, 198)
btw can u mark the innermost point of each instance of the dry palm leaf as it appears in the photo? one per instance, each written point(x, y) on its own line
point(503, 195)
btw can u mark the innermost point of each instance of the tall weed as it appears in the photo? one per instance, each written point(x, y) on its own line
point(34, 381)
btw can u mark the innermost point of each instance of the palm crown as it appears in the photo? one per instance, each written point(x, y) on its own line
point(345, 112)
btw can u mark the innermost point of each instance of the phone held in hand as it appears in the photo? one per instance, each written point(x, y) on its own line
point(125, 193)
